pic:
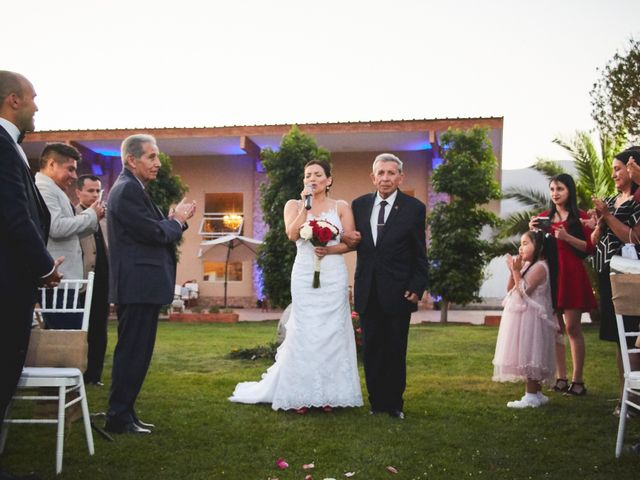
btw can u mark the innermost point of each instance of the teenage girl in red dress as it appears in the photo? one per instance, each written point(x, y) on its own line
point(574, 293)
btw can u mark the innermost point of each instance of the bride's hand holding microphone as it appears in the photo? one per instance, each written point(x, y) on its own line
point(307, 195)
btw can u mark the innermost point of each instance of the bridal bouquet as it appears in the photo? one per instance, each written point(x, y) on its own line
point(319, 233)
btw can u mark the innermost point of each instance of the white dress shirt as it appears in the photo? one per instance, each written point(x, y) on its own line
point(376, 209)
point(15, 133)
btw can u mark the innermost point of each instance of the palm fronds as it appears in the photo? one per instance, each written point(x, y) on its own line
point(548, 168)
point(593, 167)
point(533, 199)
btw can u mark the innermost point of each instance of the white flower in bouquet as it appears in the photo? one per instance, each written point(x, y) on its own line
point(306, 231)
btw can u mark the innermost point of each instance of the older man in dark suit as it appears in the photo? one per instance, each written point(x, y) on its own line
point(390, 278)
point(142, 266)
point(24, 228)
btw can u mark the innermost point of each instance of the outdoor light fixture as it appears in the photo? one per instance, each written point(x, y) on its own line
point(232, 221)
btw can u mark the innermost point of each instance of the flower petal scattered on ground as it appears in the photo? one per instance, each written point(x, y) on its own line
point(308, 466)
point(349, 474)
point(391, 469)
point(282, 464)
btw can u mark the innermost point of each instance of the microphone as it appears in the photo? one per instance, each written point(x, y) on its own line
point(308, 197)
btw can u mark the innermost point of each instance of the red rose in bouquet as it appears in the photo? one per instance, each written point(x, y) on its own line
point(319, 233)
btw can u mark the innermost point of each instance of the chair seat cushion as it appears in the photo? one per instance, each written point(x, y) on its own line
point(50, 372)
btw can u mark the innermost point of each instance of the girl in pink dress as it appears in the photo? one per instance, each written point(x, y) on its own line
point(525, 349)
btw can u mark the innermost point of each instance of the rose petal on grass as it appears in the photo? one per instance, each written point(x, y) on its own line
point(308, 477)
point(349, 474)
point(282, 464)
point(391, 469)
point(308, 466)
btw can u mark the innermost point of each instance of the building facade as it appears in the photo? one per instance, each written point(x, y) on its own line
point(221, 166)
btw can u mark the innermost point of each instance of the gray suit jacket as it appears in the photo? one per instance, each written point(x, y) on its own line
point(66, 228)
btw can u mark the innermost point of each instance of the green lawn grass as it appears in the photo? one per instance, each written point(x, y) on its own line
point(457, 424)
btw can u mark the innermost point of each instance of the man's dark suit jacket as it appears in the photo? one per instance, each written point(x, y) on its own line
point(398, 261)
point(24, 227)
point(142, 260)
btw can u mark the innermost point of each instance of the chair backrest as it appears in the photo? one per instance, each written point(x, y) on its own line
point(624, 289)
point(49, 305)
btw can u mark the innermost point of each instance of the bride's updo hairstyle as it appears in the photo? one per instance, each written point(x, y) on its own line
point(326, 166)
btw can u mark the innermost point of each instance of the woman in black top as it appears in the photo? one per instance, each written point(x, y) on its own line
point(618, 223)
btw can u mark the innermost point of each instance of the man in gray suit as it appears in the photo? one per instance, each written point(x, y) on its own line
point(58, 165)
point(142, 268)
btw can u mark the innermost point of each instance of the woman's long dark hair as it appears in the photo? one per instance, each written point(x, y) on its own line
point(574, 227)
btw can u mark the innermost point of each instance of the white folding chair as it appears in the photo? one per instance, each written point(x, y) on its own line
point(625, 288)
point(66, 380)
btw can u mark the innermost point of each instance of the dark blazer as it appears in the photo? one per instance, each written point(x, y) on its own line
point(24, 227)
point(142, 260)
point(399, 260)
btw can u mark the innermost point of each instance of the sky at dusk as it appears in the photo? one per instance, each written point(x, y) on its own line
point(116, 64)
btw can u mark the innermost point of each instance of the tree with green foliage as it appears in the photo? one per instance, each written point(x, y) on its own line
point(615, 97)
point(167, 189)
point(285, 171)
point(457, 252)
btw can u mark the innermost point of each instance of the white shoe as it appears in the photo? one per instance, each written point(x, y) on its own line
point(524, 402)
point(542, 398)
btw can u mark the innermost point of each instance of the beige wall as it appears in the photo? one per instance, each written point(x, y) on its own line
point(214, 175)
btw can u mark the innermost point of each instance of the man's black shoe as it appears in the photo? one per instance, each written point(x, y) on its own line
point(116, 427)
point(396, 414)
point(141, 424)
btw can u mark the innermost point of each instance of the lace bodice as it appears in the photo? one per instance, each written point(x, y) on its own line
point(332, 216)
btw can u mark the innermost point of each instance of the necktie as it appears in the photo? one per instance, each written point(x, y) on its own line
point(20, 138)
point(383, 204)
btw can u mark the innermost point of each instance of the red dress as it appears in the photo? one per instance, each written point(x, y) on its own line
point(574, 288)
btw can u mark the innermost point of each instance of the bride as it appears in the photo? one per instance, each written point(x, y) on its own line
point(316, 365)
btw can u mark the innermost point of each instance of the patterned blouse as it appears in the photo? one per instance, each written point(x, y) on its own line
point(610, 245)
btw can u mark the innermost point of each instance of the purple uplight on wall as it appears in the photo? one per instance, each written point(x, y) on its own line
point(96, 169)
point(258, 282)
point(436, 162)
point(107, 152)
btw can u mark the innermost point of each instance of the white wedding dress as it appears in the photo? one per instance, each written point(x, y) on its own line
point(316, 365)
